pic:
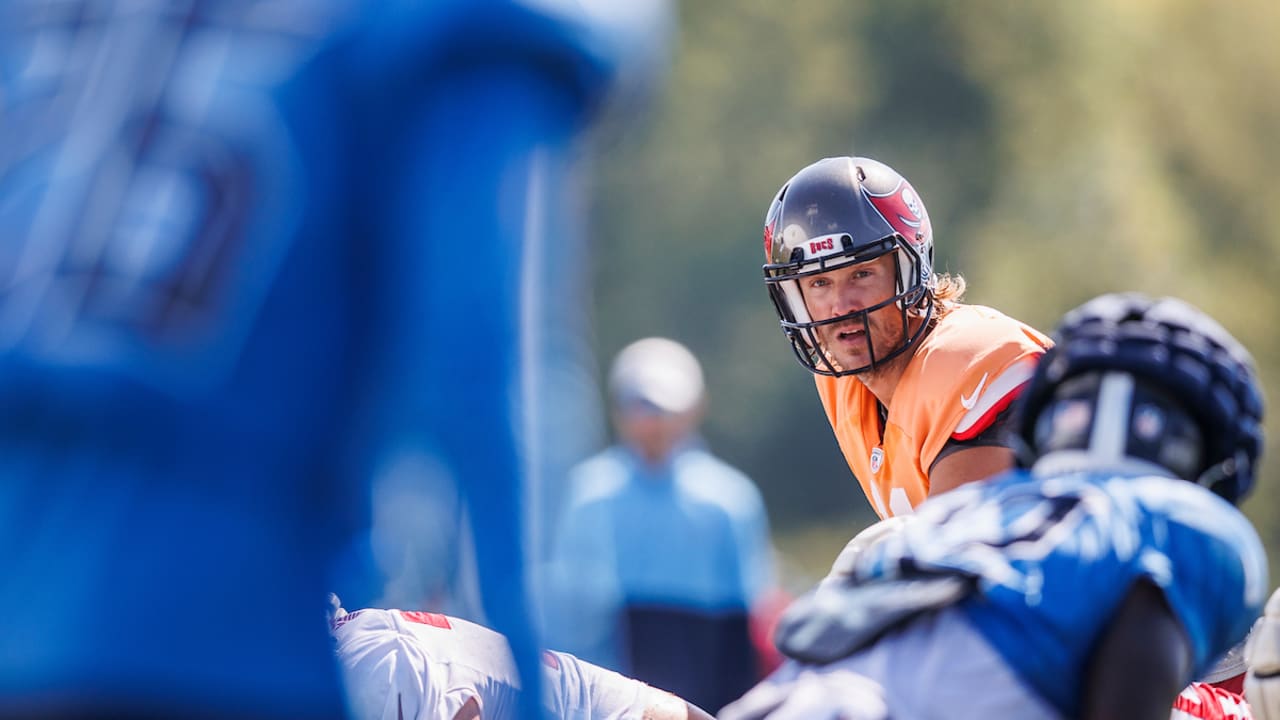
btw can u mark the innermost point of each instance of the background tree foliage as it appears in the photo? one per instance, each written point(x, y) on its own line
point(1063, 150)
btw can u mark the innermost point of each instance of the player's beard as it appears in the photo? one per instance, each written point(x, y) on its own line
point(849, 344)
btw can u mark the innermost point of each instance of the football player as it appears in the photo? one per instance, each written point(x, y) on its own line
point(1216, 696)
point(400, 664)
point(915, 384)
point(1096, 583)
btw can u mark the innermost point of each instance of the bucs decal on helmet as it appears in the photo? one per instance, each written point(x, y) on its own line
point(901, 208)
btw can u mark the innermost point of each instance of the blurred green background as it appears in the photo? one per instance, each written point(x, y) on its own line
point(1062, 149)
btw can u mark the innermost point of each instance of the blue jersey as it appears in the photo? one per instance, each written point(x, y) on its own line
point(1055, 557)
point(238, 248)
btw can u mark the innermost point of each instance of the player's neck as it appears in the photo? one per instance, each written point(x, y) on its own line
point(883, 380)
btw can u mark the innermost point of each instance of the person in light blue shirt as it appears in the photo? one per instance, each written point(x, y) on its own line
point(663, 549)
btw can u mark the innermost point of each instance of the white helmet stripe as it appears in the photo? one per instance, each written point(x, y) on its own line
point(1110, 434)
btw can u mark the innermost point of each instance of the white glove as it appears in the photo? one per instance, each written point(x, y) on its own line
point(1262, 684)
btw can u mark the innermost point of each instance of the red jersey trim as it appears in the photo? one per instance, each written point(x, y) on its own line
point(984, 421)
point(426, 618)
point(983, 410)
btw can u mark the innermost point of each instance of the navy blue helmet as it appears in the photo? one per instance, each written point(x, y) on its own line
point(1182, 392)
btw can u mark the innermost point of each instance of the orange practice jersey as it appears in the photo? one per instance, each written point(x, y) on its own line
point(963, 373)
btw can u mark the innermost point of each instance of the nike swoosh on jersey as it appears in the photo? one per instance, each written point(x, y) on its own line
point(968, 401)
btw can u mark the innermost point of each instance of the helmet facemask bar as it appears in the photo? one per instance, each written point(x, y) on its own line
point(911, 295)
point(1113, 420)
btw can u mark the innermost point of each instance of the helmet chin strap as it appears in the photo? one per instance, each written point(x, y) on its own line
point(1223, 471)
point(1111, 416)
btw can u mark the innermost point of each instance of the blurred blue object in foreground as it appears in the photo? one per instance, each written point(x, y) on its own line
point(242, 244)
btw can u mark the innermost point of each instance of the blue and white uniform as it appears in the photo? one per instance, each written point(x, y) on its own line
point(401, 664)
point(1051, 559)
point(1054, 558)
